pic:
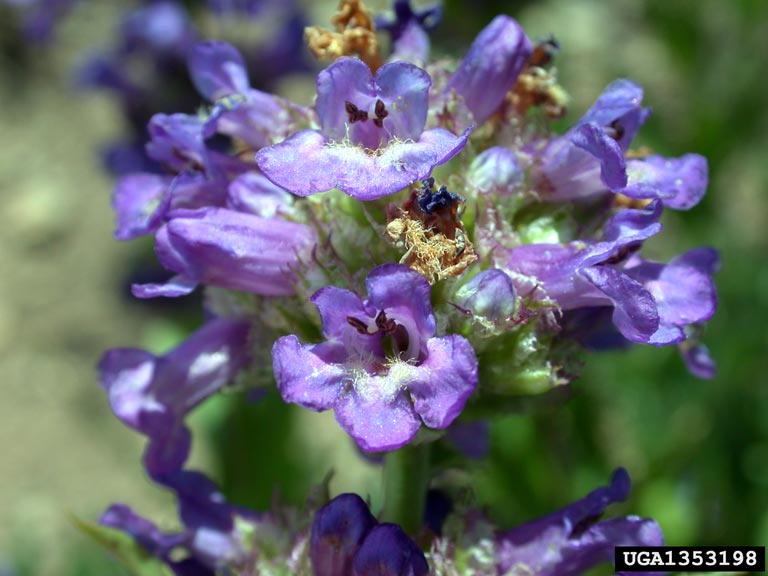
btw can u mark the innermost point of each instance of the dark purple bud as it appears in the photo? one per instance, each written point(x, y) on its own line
point(388, 551)
point(337, 532)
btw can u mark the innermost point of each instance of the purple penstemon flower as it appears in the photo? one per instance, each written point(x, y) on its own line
point(408, 30)
point(590, 158)
point(371, 141)
point(652, 303)
point(381, 368)
point(231, 249)
point(153, 394)
point(573, 540)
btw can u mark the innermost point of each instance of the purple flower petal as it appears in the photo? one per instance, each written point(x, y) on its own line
point(140, 202)
point(619, 105)
point(699, 362)
point(306, 164)
point(177, 141)
point(153, 394)
point(444, 381)
point(175, 287)
point(635, 312)
point(491, 67)
point(404, 294)
point(255, 194)
point(496, 170)
point(683, 290)
point(217, 69)
point(404, 89)
point(376, 416)
point(680, 182)
point(593, 139)
point(146, 533)
point(388, 551)
point(306, 374)
point(571, 541)
point(338, 530)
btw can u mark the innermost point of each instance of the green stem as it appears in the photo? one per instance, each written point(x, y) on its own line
point(406, 474)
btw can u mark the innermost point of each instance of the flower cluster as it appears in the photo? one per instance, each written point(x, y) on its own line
point(411, 251)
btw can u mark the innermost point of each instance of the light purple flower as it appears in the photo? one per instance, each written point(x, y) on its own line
point(381, 368)
point(230, 249)
point(252, 116)
point(153, 394)
point(652, 303)
point(579, 274)
point(489, 297)
point(372, 141)
point(491, 67)
point(496, 170)
point(573, 540)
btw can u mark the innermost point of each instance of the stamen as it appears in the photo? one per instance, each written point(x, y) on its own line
point(355, 114)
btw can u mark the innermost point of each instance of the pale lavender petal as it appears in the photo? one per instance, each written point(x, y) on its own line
point(680, 182)
point(140, 202)
point(346, 80)
point(496, 170)
point(177, 141)
point(412, 46)
point(489, 295)
point(304, 376)
point(404, 89)
point(444, 381)
point(593, 139)
point(376, 418)
point(217, 69)
point(234, 250)
point(491, 67)
point(255, 194)
point(175, 287)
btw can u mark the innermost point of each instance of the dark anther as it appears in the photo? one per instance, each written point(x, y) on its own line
point(384, 324)
point(381, 112)
point(583, 525)
point(355, 114)
point(358, 325)
point(616, 130)
point(430, 201)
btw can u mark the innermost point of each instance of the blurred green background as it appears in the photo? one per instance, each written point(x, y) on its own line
point(697, 450)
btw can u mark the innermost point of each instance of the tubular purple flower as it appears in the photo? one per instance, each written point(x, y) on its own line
point(153, 394)
point(372, 141)
point(381, 369)
point(231, 249)
point(572, 540)
point(491, 67)
point(177, 142)
point(579, 274)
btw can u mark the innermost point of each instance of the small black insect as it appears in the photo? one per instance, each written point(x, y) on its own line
point(430, 201)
